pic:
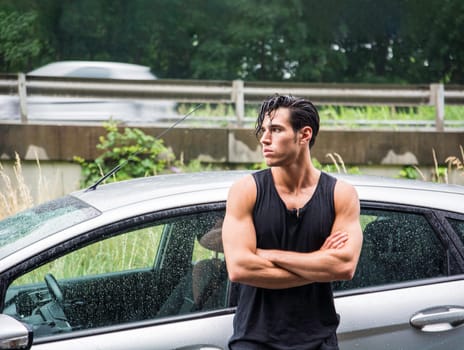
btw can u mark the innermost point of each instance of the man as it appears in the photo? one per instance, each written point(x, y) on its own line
point(289, 231)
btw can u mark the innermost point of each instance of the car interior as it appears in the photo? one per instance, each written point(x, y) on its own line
point(397, 246)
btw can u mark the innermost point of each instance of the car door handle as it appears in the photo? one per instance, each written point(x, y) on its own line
point(438, 319)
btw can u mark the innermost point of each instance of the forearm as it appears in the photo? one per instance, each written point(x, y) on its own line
point(319, 266)
point(335, 260)
point(258, 272)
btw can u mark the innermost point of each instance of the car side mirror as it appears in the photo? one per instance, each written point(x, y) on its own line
point(14, 335)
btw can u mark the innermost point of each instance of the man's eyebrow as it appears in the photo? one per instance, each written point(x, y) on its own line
point(280, 125)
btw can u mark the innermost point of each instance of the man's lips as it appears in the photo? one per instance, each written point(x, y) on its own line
point(267, 152)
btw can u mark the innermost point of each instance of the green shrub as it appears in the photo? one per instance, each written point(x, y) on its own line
point(409, 172)
point(139, 154)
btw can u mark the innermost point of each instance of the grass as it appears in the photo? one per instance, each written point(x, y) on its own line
point(440, 173)
point(16, 195)
point(341, 116)
point(134, 250)
point(390, 117)
point(129, 251)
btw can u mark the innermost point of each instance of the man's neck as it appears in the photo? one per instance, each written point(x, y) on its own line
point(296, 177)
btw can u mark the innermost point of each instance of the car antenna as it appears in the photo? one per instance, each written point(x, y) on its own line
point(119, 166)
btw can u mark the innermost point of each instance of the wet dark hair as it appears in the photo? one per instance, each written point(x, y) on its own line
point(302, 113)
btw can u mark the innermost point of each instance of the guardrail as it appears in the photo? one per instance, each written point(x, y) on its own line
point(237, 92)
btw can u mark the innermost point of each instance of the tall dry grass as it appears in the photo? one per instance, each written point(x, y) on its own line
point(456, 163)
point(15, 192)
point(441, 174)
point(15, 195)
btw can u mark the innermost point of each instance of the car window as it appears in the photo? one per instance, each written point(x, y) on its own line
point(166, 268)
point(458, 225)
point(132, 250)
point(34, 224)
point(397, 247)
point(90, 72)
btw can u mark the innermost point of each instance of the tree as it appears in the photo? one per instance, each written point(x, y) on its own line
point(18, 44)
point(370, 41)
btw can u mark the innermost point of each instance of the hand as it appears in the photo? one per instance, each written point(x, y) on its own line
point(264, 253)
point(269, 254)
point(336, 240)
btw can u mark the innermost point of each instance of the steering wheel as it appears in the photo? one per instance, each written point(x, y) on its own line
point(54, 288)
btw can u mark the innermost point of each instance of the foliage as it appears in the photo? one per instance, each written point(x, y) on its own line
point(440, 173)
point(456, 162)
point(129, 251)
point(375, 116)
point(193, 166)
point(138, 154)
point(409, 172)
point(17, 195)
point(258, 166)
point(381, 41)
point(337, 165)
point(19, 43)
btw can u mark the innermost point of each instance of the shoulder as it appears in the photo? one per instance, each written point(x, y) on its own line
point(245, 181)
point(252, 181)
point(243, 187)
point(345, 195)
point(242, 196)
point(342, 185)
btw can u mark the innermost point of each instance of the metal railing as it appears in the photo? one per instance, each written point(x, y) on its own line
point(237, 92)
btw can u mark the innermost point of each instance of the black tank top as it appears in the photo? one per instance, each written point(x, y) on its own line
point(294, 318)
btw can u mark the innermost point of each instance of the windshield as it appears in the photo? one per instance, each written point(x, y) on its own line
point(41, 221)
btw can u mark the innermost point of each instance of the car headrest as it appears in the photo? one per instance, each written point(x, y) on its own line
point(212, 239)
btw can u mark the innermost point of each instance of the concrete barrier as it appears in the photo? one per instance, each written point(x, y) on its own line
point(234, 145)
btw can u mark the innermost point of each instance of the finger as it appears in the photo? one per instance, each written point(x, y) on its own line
point(337, 244)
point(335, 239)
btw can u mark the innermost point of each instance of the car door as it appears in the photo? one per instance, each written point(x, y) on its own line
point(408, 291)
point(156, 281)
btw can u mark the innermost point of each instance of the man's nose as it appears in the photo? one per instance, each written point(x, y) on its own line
point(266, 137)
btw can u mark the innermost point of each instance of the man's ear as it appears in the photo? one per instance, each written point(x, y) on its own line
point(306, 134)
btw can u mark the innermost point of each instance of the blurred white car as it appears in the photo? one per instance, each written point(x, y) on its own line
point(94, 69)
point(46, 108)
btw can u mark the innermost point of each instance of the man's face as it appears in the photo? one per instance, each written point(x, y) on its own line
point(279, 141)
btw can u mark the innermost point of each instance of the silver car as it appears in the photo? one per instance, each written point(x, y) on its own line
point(139, 265)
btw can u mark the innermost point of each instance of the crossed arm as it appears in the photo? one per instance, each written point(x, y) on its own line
point(276, 269)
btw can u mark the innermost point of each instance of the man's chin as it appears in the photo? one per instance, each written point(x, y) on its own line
point(271, 162)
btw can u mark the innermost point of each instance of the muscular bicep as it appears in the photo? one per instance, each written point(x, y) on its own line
point(347, 218)
point(238, 233)
point(237, 236)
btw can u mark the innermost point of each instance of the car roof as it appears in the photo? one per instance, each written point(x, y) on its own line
point(369, 188)
point(94, 69)
point(128, 192)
